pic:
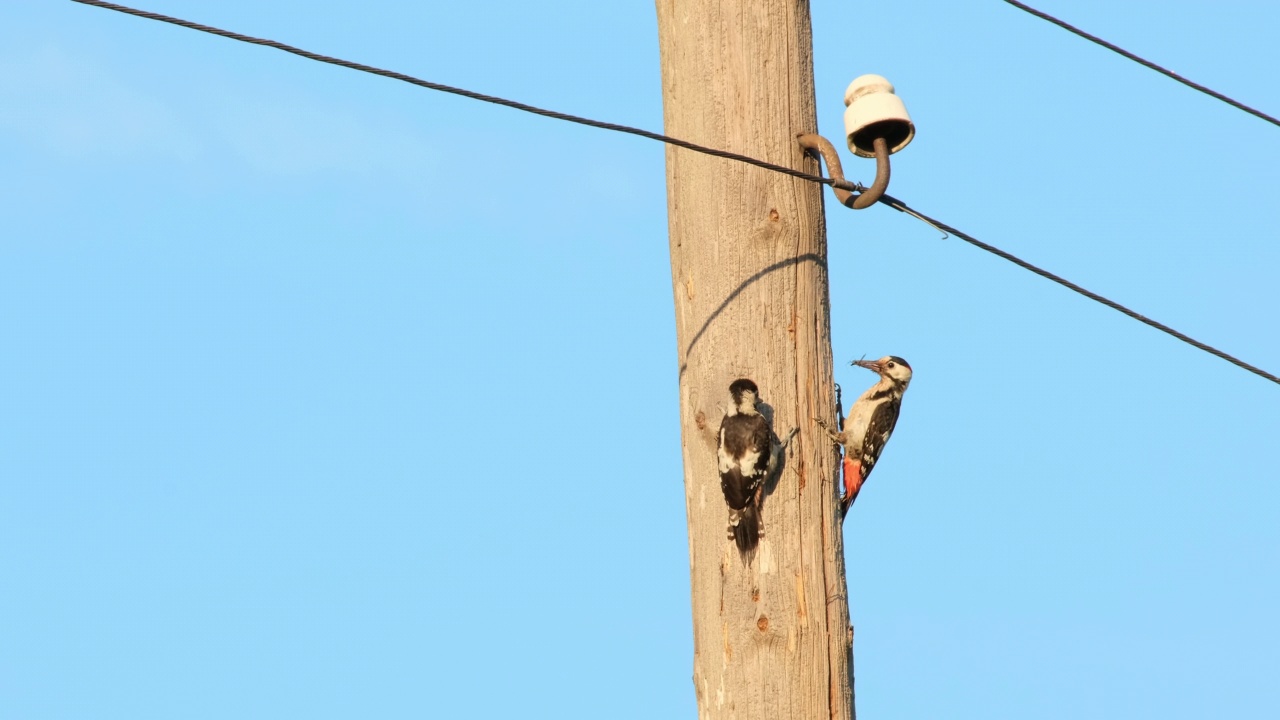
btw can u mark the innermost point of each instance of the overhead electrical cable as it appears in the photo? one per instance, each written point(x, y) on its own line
point(475, 95)
point(899, 205)
point(887, 200)
point(1145, 63)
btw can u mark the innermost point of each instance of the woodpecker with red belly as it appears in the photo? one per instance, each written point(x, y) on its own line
point(748, 455)
point(869, 424)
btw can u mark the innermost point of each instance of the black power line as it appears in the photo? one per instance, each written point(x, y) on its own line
point(899, 205)
point(1144, 63)
point(475, 95)
point(887, 200)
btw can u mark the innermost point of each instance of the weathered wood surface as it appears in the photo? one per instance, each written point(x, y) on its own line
point(749, 272)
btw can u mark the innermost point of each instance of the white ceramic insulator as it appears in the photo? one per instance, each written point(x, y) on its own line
point(872, 105)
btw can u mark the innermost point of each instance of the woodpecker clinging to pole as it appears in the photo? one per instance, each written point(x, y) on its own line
point(867, 428)
point(748, 456)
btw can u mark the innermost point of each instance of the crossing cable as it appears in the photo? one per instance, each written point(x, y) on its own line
point(897, 204)
point(1145, 63)
point(477, 96)
point(886, 199)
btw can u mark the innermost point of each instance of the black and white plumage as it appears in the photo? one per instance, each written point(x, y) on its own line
point(747, 457)
point(870, 423)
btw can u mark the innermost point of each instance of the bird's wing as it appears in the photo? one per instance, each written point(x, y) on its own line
point(761, 444)
point(740, 457)
point(883, 418)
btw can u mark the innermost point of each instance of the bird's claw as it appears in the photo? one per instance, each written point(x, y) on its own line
point(836, 437)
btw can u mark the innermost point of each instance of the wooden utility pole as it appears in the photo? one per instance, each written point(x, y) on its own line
point(749, 269)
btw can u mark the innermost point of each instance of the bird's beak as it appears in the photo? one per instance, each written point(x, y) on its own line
point(872, 365)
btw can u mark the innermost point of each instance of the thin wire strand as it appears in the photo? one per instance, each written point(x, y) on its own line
point(477, 96)
point(886, 199)
point(897, 204)
point(1145, 63)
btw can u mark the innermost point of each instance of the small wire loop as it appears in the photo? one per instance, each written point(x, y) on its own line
point(866, 197)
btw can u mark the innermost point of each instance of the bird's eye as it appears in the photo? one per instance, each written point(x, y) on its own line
point(890, 364)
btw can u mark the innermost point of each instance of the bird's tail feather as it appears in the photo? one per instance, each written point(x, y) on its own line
point(746, 533)
point(845, 504)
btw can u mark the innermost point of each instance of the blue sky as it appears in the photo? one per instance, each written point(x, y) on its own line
point(312, 381)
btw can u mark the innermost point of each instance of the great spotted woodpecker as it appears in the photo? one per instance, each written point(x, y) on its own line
point(870, 423)
point(748, 456)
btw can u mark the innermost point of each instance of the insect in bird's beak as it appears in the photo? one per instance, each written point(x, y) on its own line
point(873, 365)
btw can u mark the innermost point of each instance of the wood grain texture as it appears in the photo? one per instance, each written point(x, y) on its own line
point(749, 272)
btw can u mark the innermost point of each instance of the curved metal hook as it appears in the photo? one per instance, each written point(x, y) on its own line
point(868, 197)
